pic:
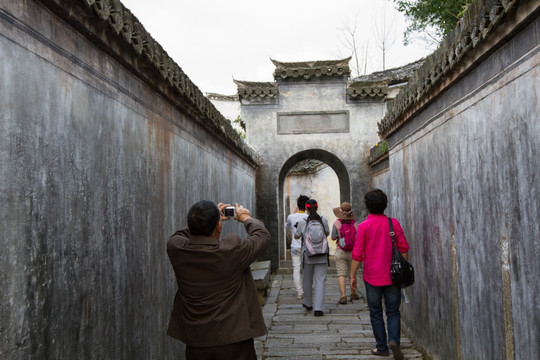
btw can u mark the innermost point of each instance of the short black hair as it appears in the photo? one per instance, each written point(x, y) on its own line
point(376, 201)
point(301, 202)
point(203, 218)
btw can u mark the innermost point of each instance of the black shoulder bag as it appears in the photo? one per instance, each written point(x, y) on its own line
point(401, 271)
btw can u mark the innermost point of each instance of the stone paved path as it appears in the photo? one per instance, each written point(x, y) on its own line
point(344, 332)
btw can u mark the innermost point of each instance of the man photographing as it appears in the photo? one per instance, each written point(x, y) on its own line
point(216, 310)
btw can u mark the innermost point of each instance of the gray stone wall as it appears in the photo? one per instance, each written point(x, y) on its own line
point(463, 179)
point(99, 163)
point(334, 129)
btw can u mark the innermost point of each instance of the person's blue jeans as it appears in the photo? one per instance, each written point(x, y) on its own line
point(392, 301)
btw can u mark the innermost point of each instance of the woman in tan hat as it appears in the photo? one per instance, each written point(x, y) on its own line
point(344, 233)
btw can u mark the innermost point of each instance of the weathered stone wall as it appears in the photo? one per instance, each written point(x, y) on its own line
point(101, 155)
point(464, 180)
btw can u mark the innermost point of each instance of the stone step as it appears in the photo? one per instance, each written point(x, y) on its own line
point(261, 276)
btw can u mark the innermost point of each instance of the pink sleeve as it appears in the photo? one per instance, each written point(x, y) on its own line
point(359, 245)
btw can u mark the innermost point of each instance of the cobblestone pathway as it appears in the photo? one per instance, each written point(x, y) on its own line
point(344, 332)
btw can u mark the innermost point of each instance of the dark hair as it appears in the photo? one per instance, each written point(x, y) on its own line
point(376, 201)
point(312, 205)
point(301, 202)
point(203, 218)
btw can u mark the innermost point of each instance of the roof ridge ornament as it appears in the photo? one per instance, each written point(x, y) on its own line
point(311, 69)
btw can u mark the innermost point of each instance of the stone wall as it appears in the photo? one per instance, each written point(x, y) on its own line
point(104, 145)
point(463, 177)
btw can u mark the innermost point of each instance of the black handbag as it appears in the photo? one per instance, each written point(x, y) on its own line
point(401, 271)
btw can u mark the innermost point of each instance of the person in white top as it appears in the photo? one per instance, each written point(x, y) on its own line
point(296, 244)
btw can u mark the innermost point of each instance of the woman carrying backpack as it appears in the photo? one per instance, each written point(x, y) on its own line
point(313, 232)
point(344, 233)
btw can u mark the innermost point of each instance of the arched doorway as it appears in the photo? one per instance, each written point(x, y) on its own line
point(312, 154)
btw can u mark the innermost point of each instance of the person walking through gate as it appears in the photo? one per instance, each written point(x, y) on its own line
point(373, 246)
point(344, 233)
point(314, 231)
point(216, 310)
point(296, 244)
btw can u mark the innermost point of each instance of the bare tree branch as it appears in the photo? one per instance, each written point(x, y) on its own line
point(384, 33)
point(350, 40)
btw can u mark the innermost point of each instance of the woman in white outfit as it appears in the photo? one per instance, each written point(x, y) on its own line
point(296, 244)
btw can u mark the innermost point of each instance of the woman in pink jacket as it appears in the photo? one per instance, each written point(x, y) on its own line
point(373, 246)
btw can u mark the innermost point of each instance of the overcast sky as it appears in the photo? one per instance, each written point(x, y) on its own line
point(216, 41)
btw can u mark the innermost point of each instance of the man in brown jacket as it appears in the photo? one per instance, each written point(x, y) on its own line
point(216, 310)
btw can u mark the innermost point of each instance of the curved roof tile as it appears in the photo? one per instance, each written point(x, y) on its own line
point(310, 69)
point(253, 89)
point(126, 27)
point(478, 23)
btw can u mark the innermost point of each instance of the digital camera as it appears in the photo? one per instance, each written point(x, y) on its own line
point(229, 211)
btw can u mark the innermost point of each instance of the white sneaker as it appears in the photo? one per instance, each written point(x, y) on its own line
point(300, 296)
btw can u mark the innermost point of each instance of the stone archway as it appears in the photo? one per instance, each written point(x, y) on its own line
point(312, 111)
point(311, 154)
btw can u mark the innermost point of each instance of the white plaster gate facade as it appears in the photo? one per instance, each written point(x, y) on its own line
point(313, 111)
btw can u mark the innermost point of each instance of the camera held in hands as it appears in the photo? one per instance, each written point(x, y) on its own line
point(229, 211)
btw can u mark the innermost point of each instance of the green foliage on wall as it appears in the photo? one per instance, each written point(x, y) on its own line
point(434, 18)
point(240, 127)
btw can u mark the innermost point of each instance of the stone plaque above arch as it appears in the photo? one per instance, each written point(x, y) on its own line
point(313, 122)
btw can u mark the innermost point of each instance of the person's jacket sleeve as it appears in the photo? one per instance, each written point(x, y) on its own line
point(255, 244)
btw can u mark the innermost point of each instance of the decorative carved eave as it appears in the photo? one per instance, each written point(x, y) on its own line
point(306, 167)
point(311, 69)
point(481, 31)
point(112, 27)
point(252, 89)
point(367, 89)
